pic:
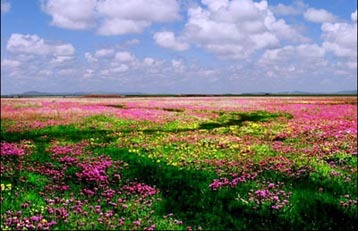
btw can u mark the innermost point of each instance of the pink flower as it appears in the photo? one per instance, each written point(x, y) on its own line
point(262, 193)
point(271, 185)
point(138, 222)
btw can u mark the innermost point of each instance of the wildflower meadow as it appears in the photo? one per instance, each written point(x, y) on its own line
point(179, 163)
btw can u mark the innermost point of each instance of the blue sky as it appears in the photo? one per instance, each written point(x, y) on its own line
point(173, 46)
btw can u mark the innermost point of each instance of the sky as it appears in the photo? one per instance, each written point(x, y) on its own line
point(178, 46)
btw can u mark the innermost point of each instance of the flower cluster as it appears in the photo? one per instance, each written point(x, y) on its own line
point(248, 145)
point(38, 222)
point(6, 187)
point(142, 189)
point(11, 149)
point(272, 195)
point(94, 170)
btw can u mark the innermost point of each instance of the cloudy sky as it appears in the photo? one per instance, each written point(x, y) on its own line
point(178, 46)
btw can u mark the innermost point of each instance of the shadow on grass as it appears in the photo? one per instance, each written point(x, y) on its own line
point(187, 194)
point(186, 191)
point(238, 118)
point(75, 134)
point(47, 134)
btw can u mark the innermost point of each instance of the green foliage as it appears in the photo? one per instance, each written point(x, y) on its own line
point(182, 170)
point(36, 180)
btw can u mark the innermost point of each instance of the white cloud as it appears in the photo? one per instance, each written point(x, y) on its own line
point(148, 61)
point(302, 53)
point(110, 17)
point(104, 53)
point(124, 56)
point(32, 57)
point(178, 65)
point(120, 68)
point(61, 59)
point(154, 66)
point(45, 72)
point(319, 16)
point(110, 61)
point(231, 29)
point(71, 14)
point(215, 5)
point(5, 6)
point(9, 63)
point(309, 63)
point(139, 10)
point(27, 47)
point(340, 38)
point(354, 16)
point(88, 73)
point(33, 44)
point(167, 39)
point(66, 72)
point(122, 62)
point(298, 7)
point(89, 57)
point(118, 26)
point(132, 42)
point(293, 61)
point(282, 9)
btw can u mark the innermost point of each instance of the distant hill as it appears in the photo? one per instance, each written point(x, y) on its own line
point(106, 94)
point(353, 92)
point(35, 93)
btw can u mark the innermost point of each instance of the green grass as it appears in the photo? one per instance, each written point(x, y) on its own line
point(184, 189)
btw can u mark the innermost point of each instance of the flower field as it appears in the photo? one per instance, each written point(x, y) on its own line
point(177, 163)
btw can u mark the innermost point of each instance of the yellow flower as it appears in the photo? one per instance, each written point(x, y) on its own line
point(6, 187)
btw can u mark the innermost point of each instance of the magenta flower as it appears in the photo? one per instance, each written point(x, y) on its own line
point(262, 193)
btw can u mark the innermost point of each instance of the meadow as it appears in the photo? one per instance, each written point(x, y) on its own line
point(179, 163)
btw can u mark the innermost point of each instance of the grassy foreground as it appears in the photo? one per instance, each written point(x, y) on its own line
point(159, 164)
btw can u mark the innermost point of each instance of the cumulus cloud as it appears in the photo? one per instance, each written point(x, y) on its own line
point(108, 63)
point(340, 38)
point(110, 17)
point(120, 68)
point(231, 29)
point(282, 9)
point(35, 63)
point(148, 61)
point(124, 56)
point(61, 59)
point(298, 7)
point(28, 46)
point(90, 58)
point(289, 62)
point(9, 63)
point(124, 64)
point(132, 42)
point(301, 52)
point(178, 65)
point(215, 5)
point(354, 16)
point(71, 14)
point(140, 10)
point(118, 26)
point(104, 53)
point(168, 40)
point(5, 6)
point(319, 16)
